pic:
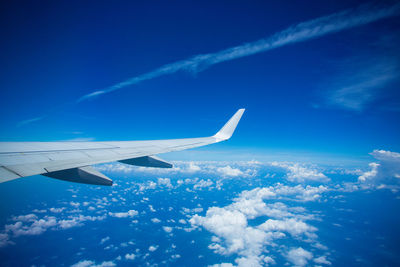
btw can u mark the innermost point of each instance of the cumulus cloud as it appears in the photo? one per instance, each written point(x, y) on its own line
point(155, 220)
point(385, 171)
point(151, 208)
point(234, 235)
point(167, 229)
point(84, 263)
point(129, 213)
point(89, 263)
point(193, 167)
point(164, 182)
point(292, 226)
point(299, 256)
point(322, 260)
point(371, 174)
point(5, 240)
point(69, 223)
point(31, 225)
point(203, 184)
point(147, 186)
point(300, 193)
point(229, 171)
point(25, 218)
point(78, 220)
point(130, 256)
point(153, 248)
point(57, 210)
point(225, 169)
point(105, 239)
point(36, 228)
point(301, 174)
point(175, 256)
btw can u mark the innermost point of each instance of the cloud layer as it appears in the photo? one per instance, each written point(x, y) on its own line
point(243, 216)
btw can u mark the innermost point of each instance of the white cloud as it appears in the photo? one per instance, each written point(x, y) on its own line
point(78, 220)
point(89, 263)
point(203, 183)
point(301, 174)
point(149, 185)
point(32, 225)
point(65, 224)
point(84, 263)
point(151, 208)
point(292, 226)
point(105, 239)
point(75, 204)
point(222, 265)
point(386, 171)
point(167, 229)
point(189, 168)
point(229, 171)
point(233, 234)
point(57, 210)
point(299, 256)
point(39, 211)
point(36, 228)
point(371, 174)
point(165, 182)
point(25, 218)
point(155, 220)
point(116, 167)
point(4, 240)
point(153, 248)
point(130, 256)
point(24, 122)
point(322, 260)
point(193, 167)
point(362, 78)
point(300, 193)
point(129, 213)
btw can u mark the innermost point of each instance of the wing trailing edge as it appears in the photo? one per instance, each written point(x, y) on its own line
point(83, 175)
point(147, 161)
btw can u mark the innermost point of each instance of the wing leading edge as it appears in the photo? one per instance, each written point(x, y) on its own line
point(71, 161)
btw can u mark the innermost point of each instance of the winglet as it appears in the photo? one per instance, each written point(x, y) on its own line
point(226, 132)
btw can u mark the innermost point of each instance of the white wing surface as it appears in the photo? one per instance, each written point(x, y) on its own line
point(71, 161)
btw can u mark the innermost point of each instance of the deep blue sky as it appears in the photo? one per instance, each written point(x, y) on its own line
point(53, 52)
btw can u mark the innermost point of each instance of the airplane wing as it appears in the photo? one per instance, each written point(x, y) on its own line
point(71, 161)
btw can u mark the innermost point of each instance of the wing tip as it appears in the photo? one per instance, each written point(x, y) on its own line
point(228, 129)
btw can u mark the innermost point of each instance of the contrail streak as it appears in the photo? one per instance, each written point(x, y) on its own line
point(318, 27)
point(22, 123)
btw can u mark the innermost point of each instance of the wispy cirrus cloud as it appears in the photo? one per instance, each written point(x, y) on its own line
point(360, 82)
point(24, 122)
point(303, 31)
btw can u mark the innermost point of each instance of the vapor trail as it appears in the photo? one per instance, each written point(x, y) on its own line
point(24, 122)
point(343, 20)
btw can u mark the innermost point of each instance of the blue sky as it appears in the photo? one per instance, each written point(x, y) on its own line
point(335, 92)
